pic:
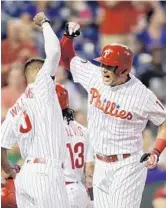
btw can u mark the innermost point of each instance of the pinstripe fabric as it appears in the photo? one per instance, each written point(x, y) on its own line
point(77, 195)
point(7, 132)
point(47, 123)
point(49, 190)
point(89, 155)
point(117, 117)
point(36, 123)
point(45, 140)
point(44, 187)
point(101, 198)
point(119, 184)
point(75, 134)
point(110, 134)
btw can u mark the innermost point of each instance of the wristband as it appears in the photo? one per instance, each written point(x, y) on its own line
point(45, 20)
point(68, 36)
point(159, 146)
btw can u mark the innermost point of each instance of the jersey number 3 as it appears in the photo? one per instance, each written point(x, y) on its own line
point(28, 124)
point(79, 150)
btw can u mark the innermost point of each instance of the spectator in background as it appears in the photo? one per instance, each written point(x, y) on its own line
point(17, 47)
point(154, 35)
point(117, 20)
point(155, 77)
point(16, 86)
point(17, 43)
point(159, 200)
point(87, 44)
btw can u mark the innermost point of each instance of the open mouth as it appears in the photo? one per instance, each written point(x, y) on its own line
point(106, 76)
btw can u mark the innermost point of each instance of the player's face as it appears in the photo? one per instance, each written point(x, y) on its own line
point(109, 77)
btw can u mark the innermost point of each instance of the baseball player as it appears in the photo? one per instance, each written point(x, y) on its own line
point(76, 144)
point(119, 107)
point(35, 122)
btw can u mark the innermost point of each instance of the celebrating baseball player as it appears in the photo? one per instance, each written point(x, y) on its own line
point(76, 144)
point(35, 122)
point(119, 107)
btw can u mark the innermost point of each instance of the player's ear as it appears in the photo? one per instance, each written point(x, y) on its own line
point(124, 73)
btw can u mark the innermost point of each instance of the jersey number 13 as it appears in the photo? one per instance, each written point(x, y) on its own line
point(79, 150)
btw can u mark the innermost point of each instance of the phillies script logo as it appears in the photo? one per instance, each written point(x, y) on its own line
point(108, 107)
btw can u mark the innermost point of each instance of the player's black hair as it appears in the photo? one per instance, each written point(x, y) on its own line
point(68, 114)
point(149, 15)
point(32, 60)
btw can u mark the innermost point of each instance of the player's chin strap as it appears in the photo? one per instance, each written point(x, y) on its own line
point(68, 114)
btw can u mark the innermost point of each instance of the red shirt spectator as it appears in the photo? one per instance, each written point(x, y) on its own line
point(16, 86)
point(11, 51)
point(18, 45)
point(119, 17)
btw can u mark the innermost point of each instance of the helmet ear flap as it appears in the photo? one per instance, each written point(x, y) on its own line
point(119, 72)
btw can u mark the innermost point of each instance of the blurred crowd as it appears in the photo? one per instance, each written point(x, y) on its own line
point(139, 24)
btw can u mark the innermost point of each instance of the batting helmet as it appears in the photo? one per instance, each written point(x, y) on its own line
point(160, 193)
point(62, 96)
point(8, 198)
point(117, 55)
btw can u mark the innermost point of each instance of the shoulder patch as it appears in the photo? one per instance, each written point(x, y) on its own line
point(84, 61)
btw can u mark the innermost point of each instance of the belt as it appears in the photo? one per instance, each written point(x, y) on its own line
point(43, 161)
point(67, 182)
point(40, 160)
point(111, 158)
point(37, 160)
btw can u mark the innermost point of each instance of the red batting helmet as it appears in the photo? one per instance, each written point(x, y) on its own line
point(62, 96)
point(160, 193)
point(8, 198)
point(117, 55)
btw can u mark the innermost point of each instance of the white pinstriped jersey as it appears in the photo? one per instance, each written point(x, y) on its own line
point(76, 146)
point(116, 115)
point(43, 136)
point(89, 154)
point(36, 121)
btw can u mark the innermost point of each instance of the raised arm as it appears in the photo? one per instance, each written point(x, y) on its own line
point(51, 43)
point(67, 52)
point(82, 70)
point(67, 49)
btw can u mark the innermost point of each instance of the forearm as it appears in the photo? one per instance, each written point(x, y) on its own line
point(160, 144)
point(88, 171)
point(67, 52)
point(52, 48)
point(5, 165)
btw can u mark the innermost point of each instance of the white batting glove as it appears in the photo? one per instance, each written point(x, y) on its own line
point(150, 160)
point(72, 29)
